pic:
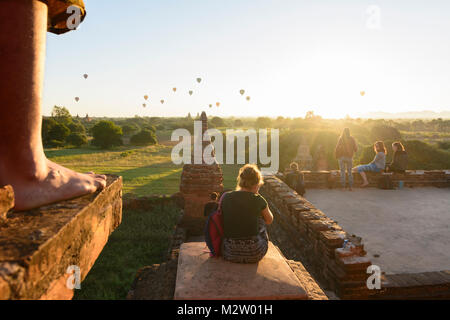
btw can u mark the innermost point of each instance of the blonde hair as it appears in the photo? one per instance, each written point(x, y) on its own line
point(379, 147)
point(249, 176)
point(294, 166)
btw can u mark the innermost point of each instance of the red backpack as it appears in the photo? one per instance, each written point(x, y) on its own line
point(214, 230)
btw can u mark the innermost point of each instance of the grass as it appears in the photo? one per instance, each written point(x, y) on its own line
point(141, 240)
point(145, 170)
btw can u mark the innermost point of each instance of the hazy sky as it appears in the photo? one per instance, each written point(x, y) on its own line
point(290, 56)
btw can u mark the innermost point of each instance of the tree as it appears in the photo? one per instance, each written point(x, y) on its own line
point(59, 132)
point(106, 134)
point(77, 139)
point(61, 115)
point(76, 127)
point(263, 122)
point(47, 125)
point(144, 137)
point(384, 132)
point(60, 112)
point(238, 123)
point(128, 129)
point(217, 122)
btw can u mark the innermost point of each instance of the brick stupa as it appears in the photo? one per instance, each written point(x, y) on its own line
point(198, 181)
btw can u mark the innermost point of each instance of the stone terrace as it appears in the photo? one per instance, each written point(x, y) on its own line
point(320, 239)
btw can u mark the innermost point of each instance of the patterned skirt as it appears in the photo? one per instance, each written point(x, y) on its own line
point(247, 250)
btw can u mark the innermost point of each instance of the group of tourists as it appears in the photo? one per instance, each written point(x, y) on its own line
point(346, 149)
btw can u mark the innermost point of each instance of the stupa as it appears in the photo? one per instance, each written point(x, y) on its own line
point(198, 181)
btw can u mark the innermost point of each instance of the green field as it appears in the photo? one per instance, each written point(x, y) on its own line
point(145, 170)
point(129, 248)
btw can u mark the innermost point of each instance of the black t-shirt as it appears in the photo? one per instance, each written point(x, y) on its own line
point(241, 210)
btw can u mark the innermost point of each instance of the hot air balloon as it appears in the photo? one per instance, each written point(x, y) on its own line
point(242, 92)
point(191, 92)
point(362, 93)
point(146, 97)
point(162, 101)
point(174, 89)
point(144, 105)
point(218, 104)
point(77, 99)
point(199, 80)
point(85, 76)
point(210, 105)
point(248, 98)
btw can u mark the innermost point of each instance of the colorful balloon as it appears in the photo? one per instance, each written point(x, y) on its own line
point(242, 92)
point(144, 105)
point(77, 99)
point(199, 80)
point(210, 105)
point(174, 89)
point(162, 101)
point(191, 92)
point(146, 97)
point(218, 104)
point(362, 93)
point(85, 76)
point(248, 98)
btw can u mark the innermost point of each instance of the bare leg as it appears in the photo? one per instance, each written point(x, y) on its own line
point(364, 177)
point(36, 180)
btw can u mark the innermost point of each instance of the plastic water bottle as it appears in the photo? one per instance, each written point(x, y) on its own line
point(345, 243)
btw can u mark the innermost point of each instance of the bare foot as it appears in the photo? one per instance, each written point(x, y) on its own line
point(52, 184)
point(364, 185)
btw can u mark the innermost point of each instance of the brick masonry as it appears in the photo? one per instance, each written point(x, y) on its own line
point(411, 179)
point(37, 246)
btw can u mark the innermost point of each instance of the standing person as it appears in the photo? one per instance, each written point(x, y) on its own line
point(378, 163)
point(345, 150)
point(36, 180)
point(245, 216)
point(400, 159)
point(295, 179)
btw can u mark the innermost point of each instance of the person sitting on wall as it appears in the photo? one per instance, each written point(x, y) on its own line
point(36, 180)
point(344, 152)
point(400, 159)
point(211, 206)
point(295, 179)
point(378, 163)
point(245, 216)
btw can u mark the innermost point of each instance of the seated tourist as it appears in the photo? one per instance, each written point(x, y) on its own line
point(211, 206)
point(245, 215)
point(400, 159)
point(295, 179)
point(377, 164)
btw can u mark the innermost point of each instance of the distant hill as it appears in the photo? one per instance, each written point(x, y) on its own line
point(408, 115)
